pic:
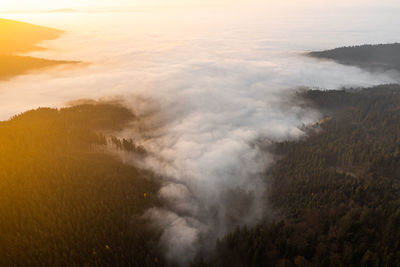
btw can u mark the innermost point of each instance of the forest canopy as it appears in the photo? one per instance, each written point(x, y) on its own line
point(372, 57)
point(337, 189)
point(64, 200)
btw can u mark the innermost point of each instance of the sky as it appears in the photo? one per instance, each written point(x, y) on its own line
point(24, 5)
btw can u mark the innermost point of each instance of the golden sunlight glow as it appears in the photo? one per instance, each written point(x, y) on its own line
point(57, 4)
point(11, 43)
point(60, 4)
point(45, 5)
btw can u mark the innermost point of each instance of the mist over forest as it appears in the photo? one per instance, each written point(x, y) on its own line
point(199, 144)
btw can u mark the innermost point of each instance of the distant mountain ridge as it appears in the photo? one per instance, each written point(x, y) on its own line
point(62, 10)
point(11, 65)
point(20, 37)
point(371, 57)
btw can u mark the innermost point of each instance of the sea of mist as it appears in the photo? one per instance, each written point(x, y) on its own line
point(212, 88)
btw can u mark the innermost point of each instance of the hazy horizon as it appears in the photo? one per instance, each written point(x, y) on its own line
point(104, 5)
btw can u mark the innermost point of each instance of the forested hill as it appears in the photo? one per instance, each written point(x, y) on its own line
point(373, 57)
point(11, 65)
point(338, 190)
point(19, 37)
point(64, 201)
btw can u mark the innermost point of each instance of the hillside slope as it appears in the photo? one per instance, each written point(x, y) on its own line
point(371, 57)
point(19, 37)
point(64, 201)
point(337, 190)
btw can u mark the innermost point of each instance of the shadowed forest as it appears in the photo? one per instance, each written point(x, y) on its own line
point(373, 57)
point(337, 189)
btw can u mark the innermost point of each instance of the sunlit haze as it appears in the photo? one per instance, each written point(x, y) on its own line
point(42, 5)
